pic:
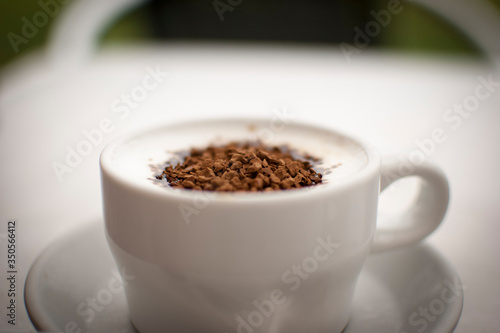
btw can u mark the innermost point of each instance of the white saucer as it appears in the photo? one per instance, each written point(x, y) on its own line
point(393, 288)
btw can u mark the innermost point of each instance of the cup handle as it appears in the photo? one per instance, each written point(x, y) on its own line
point(425, 215)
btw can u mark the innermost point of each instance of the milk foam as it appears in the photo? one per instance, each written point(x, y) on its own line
point(136, 158)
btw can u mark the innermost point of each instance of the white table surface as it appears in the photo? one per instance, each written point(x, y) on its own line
point(387, 99)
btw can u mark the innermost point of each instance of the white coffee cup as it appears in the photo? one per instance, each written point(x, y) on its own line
point(275, 262)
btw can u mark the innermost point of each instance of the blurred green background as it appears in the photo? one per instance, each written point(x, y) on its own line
point(414, 30)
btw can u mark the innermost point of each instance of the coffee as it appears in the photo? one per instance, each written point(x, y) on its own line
point(214, 259)
point(143, 157)
point(239, 167)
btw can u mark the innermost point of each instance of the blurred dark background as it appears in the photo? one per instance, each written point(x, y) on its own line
point(414, 30)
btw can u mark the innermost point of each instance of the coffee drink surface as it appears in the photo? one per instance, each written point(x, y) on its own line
point(144, 157)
